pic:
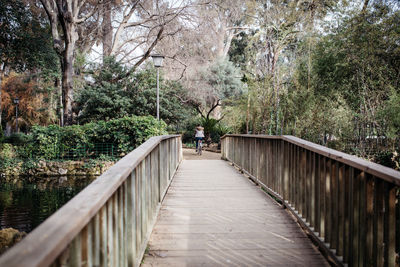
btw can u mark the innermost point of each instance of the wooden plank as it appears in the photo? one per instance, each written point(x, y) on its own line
point(341, 191)
point(97, 240)
point(347, 214)
point(84, 246)
point(328, 201)
point(75, 257)
point(362, 218)
point(312, 200)
point(322, 191)
point(317, 224)
point(224, 222)
point(369, 221)
point(379, 215)
point(334, 206)
point(390, 225)
point(286, 170)
point(89, 244)
point(356, 216)
point(131, 220)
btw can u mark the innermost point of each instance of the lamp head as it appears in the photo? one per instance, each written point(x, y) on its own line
point(157, 60)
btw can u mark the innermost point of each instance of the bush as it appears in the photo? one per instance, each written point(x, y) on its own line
point(125, 134)
point(213, 130)
point(7, 151)
point(17, 139)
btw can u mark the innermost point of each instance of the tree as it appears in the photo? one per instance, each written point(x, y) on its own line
point(115, 93)
point(33, 108)
point(65, 17)
point(219, 82)
point(24, 42)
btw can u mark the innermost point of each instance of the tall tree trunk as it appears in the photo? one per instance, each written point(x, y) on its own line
point(71, 36)
point(58, 86)
point(2, 66)
point(67, 82)
point(107, 31)
point(365, 5)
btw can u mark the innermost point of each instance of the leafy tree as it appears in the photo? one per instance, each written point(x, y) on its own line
point(35, 106)
point(25, 42)
point(221, 81)
point(115, 93)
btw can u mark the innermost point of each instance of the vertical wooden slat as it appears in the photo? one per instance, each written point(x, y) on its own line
point(369, 221)
point(110, 232)
point(379, 213)
point(75, 258)
point(317, 223)
point(307, 196)
point(121, 216)
point(286, 170)
point(89, 244)
point(138, 205)
point(356, 217)
point(390, 225)
point(84, 236)
point(104, 235)
point(347, 214)
point(116, 229)
point(97, 239)
point(362, 218)
point(328, 201)
point(341, 192)
point(130, 219)
point(297, 178)
point(351, 206)
point(334, 205)
point(312, 200)
point(322, 191)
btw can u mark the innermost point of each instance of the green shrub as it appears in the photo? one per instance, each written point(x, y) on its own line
point(125, 134)
point(17, 139)
point(1, 134)
point(7, 151)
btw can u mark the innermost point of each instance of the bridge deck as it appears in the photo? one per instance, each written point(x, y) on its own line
point(213, 216)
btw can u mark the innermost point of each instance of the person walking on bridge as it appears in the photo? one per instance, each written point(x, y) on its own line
point(199, 135)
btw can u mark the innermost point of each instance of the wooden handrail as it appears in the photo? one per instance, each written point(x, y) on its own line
point(347, 204)
point(377, 170)
point(108, 223)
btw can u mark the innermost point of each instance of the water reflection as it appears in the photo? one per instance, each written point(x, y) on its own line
point(26, 204)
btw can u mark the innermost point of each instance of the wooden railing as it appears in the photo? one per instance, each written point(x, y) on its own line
point(109, 222)
point(348, 205)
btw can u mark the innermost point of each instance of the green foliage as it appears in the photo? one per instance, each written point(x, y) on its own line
point(116, 93)
point(125, 133)
point(25, 42)
point(224, 79)
point(6, 163)
point(16, 139)
point(7, 151)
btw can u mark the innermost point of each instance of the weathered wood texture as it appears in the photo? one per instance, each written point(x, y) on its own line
point(349, 204)
point(109, 222)
point(214, 216)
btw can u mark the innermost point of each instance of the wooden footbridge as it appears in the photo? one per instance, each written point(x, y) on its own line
point(304, 205)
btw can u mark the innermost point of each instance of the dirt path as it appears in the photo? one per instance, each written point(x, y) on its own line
point(190, 154)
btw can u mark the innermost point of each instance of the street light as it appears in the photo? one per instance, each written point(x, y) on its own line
point(158, 60)
point(16, 102)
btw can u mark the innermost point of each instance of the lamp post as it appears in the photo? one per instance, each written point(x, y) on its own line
point(158, 60)
point(16, 102)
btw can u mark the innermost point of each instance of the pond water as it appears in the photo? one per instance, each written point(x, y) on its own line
point(24, 205)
